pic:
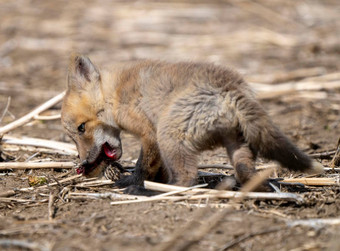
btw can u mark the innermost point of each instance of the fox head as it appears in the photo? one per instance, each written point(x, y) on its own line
point(85, 118)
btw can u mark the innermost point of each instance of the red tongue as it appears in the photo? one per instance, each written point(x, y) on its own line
point(80, 170)
point(109, 151)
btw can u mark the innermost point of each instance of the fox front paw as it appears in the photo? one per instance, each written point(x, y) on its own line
point(128, 180)
point(139, 190)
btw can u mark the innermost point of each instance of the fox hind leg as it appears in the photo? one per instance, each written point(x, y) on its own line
point(241, 157)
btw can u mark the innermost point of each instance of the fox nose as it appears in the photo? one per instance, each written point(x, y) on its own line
point(85, 162)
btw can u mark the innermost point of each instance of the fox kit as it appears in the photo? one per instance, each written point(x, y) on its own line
point(177, 110)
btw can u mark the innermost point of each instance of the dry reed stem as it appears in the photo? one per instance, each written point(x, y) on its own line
point(213, 193)
point(216, 166)
point(268, 91)
point(160, 197)
point(315, 223)
point(110, 195)
point(94, 183)
point(313, 181)
point(67, 148)
point(50, 207)
point(211, 205)
point(322, 155)
point(35, 165)
point(25, 119)
point(326, 77)
point(8, 193)
point(19, 200)
point(35, 149)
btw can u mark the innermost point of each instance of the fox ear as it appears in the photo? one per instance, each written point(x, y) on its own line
point(81, 68)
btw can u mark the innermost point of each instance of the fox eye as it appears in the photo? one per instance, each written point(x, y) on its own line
point(81, 128)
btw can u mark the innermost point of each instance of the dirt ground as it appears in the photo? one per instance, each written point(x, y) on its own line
point(267, 41)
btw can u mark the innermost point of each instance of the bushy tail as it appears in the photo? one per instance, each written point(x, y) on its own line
point(264, 137)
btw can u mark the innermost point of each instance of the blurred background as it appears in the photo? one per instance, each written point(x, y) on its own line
point(264, 40)
point(288, 50)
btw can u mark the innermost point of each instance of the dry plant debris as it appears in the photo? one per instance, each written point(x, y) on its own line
point(288, 51)
point(170, 193)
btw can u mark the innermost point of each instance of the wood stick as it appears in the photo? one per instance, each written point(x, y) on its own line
point(95, 183)
point(211, 205)
point(50, 207)
point(36, 142)
point(111, 195)
point(185, 189)
point(315, 223)
point(25, 119)
point(332, 169)
point(164, 196)
point(35, 165)
point(35, 149)
point(152, 199)
point(323, 155)
point(326, 77)
point(217, 166)
point(313, 181)
point(185, 197)
point(224, 194)
point(9, 200)
point(266, 91)
point(8, 193)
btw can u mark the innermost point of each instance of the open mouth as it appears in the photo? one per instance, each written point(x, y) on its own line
point(106, 154)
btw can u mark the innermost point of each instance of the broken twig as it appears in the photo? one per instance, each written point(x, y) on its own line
point(35, 165)
point(25, 119)
point(315, 223)
point(313, 181)
point(66, 148)
point(50, 206)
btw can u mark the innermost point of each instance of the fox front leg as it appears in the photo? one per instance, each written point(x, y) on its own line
point(147, 166)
